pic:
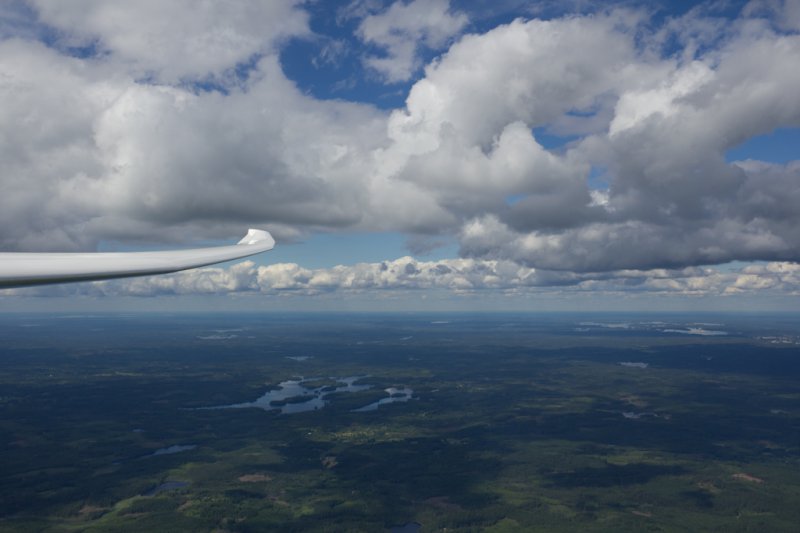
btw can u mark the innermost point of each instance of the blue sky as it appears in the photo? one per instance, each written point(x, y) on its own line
point(410, 154)
point(779, 146)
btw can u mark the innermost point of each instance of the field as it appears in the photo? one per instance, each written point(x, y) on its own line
point(515, 422)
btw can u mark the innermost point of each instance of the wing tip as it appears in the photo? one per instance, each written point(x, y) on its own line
point(258, 236)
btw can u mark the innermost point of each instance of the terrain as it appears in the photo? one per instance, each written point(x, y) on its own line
point(497, 422)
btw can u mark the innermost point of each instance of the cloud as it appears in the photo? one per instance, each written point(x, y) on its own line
point(95, 156)
point(176, 40)
point(784, 13)
point(465, 277)
point(17, 20)
point(124, 143)
point(403, 29)
point(672, 199)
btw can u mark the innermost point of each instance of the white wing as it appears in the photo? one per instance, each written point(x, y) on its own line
point(22, 269)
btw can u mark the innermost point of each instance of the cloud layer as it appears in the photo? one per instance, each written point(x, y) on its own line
point(109, 132)
point(453, 276)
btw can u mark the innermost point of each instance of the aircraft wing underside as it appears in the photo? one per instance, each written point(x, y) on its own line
point(19, 269)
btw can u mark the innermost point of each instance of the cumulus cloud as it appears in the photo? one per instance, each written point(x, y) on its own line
point(453, 276)
point(151, 133)
point(95, 156)
point(402, 29)
point(176, 40)
point(671, 200)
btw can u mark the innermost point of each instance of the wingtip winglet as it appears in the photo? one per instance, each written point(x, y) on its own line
point(258, 236)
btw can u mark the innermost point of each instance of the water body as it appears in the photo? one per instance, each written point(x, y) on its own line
point(175, 448)
point(289, 397)
point(395, 395)
point(636, 416)
point(632, 364)
point(610, 325)
point(697, 331)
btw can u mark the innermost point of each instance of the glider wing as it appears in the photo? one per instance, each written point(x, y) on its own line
point(19, 269)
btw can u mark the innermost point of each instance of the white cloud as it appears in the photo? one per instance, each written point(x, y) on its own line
point(452, 276)
point(405, 27)
point(672, 200)
point(179, 39)
point(90, 151)
point(530, 72)
point(784, 13)
point(94, 156)
point(634, 107)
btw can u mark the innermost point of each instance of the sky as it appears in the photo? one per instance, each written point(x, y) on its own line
point(409, 154)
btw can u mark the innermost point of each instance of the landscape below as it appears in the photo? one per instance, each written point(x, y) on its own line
point(412, 422)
